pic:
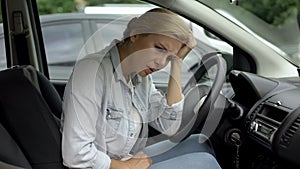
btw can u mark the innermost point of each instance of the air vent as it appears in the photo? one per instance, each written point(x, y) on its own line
point(257, 109)
point(252, 115)
point(287, 137)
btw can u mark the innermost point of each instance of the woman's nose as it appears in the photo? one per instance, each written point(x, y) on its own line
point(161, 61)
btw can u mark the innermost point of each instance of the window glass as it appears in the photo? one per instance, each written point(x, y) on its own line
point(2, 50)
point(110, 31)
point(275, 23)
point(62, 44)
point(2, 45)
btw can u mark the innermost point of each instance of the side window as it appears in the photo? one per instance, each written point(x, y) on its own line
point(64, 40)
point(63, 43)
point(111, 31)
point(2, 49)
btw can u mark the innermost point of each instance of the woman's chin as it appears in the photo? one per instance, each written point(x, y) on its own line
point(143, 73)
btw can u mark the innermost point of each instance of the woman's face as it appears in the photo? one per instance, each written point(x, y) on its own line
point(152, 52)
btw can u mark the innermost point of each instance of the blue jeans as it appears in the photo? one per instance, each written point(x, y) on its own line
point(189, 154)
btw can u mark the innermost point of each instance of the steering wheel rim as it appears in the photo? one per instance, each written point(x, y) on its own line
point(195, 111)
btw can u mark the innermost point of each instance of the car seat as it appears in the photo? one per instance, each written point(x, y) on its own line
point(30, 109)
point(11, 154)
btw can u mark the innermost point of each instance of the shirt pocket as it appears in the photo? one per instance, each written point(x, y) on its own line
point(113, 119)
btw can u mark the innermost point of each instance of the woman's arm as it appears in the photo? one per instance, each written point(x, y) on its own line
point(174, 93)
point(80, 118)
point(165, 112)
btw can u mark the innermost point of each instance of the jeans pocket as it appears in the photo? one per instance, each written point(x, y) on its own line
point(113, 120)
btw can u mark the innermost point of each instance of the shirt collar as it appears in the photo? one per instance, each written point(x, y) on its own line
point(115, 58)
point(136, 78)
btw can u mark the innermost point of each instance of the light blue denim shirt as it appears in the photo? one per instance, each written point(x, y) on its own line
point(96, 106)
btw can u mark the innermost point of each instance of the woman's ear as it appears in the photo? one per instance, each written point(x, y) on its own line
point(133, 36)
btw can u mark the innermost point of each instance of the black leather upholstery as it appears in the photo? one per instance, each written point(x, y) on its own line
point(10, 153)
point(27, 109)
point(50, 95)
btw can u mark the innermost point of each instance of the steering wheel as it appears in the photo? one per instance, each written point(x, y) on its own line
point(199, 98)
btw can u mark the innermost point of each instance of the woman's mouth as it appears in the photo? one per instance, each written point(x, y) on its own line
point(150, 70)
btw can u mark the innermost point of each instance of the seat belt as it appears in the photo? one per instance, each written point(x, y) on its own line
point(20, 35)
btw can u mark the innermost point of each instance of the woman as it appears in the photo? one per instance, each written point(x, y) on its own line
point(110, 100)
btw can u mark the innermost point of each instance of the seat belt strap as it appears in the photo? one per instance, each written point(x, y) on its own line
point(20, 34)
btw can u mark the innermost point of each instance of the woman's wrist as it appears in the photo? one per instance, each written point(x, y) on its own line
point(175, 71)
point(117, 164)
point(174, 85)
point(176, 63)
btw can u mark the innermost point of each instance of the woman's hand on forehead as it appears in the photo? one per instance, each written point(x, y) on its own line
point(187, 47)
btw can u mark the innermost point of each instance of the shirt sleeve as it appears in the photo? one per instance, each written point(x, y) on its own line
point(80, 116)
point(162, 117)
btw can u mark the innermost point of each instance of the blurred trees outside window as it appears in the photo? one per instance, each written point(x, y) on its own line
point(68, 6)
point(274, 12)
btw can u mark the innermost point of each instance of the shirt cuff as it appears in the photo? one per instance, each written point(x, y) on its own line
point(173, 111)
point(174, 105)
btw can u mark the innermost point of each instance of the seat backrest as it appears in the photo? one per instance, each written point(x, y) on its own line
point(10, 153)
point(43, 85)
point(28, 116)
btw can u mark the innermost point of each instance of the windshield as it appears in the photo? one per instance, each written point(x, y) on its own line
point(275, 22)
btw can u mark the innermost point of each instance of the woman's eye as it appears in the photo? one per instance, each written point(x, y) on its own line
point(160, 49)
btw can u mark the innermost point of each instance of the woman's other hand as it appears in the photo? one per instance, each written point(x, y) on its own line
point(139, 161)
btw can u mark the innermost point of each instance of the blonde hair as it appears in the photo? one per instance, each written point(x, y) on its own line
point(158, 21)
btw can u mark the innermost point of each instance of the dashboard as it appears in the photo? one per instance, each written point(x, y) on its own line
point(273, 112)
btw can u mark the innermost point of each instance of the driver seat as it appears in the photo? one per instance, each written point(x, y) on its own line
point(30, 112)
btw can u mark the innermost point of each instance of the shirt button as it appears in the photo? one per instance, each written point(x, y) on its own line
point(131, 134)
point(173, 116)
point(143, 109)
